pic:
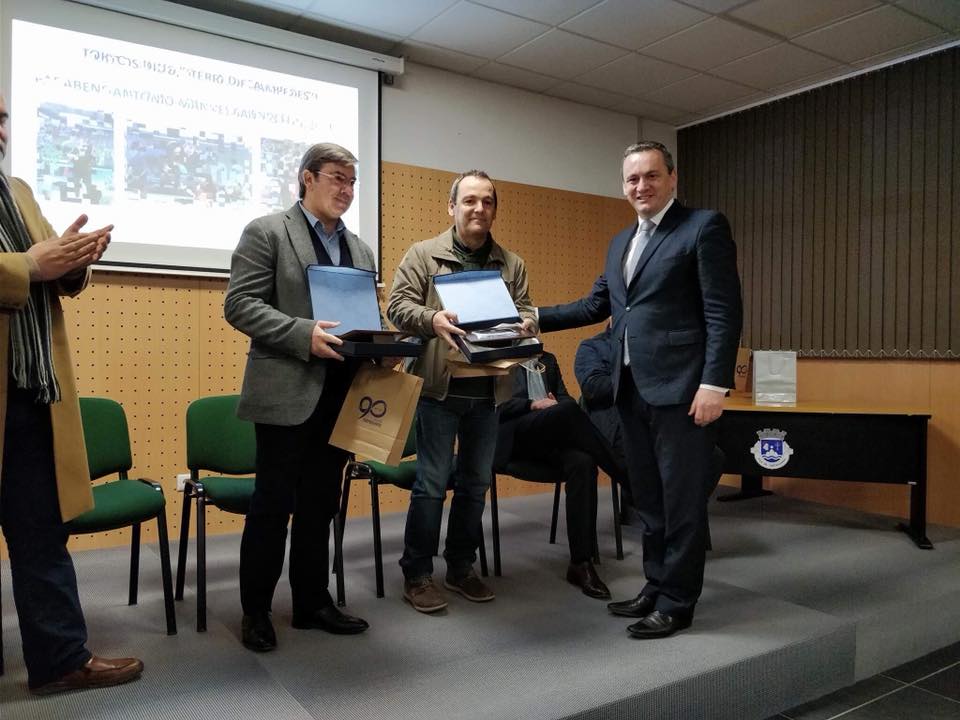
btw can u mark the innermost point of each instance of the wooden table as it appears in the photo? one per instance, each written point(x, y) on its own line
point(828, 442)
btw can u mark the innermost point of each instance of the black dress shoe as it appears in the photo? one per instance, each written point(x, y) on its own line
point(329, 618)
point(638, 607)
point(659, 625)
point(585, 577)
point(257, 633)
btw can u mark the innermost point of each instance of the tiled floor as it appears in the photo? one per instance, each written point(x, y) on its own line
point(927, 688)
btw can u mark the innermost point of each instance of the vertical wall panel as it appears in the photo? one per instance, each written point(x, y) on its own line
point(845, 203)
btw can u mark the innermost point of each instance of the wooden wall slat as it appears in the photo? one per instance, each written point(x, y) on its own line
point(952, 202)
point(821, 202)
point(844, 203)
point(840, 277)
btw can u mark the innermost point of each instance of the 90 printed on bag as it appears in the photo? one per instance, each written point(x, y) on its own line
point(374, 408)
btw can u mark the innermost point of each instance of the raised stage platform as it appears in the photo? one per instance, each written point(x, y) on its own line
point(800, 600)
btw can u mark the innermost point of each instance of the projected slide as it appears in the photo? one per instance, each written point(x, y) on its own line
point(178, 151)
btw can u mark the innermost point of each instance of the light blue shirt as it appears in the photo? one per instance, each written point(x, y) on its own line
point(331, 241)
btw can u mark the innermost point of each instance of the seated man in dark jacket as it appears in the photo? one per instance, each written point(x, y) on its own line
point(591, 366)
point(541, 422)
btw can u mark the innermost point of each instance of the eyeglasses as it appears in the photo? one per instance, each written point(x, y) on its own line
point(341, 180)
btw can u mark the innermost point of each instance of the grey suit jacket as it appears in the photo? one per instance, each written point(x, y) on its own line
point(268, 300)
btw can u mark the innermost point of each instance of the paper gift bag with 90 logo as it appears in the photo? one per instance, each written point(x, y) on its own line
point(376, 416)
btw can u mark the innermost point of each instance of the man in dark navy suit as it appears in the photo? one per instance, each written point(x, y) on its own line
point(671, 287)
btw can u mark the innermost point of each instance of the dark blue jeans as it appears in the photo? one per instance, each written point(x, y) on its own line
point(472, 423)
point(52, 628)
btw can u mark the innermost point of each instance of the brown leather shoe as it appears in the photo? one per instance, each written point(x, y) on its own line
point(470, 586)
point(584, 576)
point(96, 672)
point(424, 595)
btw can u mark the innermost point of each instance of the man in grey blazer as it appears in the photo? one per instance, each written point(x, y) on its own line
point(293, 387)
point(671, 287)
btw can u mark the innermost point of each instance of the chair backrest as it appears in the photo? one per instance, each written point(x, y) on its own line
point(410, 448)
point(217, 439)
point(106, 436)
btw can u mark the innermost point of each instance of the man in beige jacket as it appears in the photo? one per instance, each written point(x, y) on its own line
point(44, 480)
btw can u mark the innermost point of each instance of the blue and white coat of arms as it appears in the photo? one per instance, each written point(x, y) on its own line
point(771, 451)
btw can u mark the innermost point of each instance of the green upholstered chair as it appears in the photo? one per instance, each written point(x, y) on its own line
point(401, 476)
point(122, 502)
point(219, 442)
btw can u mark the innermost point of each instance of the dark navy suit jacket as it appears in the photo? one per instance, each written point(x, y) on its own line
point(682, 312)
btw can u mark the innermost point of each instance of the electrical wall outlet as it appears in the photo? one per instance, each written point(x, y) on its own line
point(182, 481)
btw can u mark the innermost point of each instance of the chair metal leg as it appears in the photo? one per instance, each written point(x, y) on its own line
point(338, 525)
point(338, 558)
point(201, 564)
point(184, 541)
point(165, 572)
point(495, 525)
point(617, 529)
point(482, 551)
point(556, 513)
point(594, 503)
point(377, 546)
point(1, 626)
point(134, 563)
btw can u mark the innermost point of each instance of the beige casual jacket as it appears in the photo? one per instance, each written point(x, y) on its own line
point(414, 301)
point(69, 451)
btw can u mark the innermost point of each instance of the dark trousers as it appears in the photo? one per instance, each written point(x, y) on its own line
point(671, 466)
point(52, 628)
point(298, 473)
point(564, 437)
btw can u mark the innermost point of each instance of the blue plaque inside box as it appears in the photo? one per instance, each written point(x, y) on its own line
point(349, 295)
point(344, 294)
point(479, 298)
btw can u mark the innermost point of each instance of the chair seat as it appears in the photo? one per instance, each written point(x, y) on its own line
point(532, 471)
point(231, 494)
point(401, 475)
point(118, 504)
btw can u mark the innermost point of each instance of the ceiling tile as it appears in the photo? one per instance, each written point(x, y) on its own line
point(871, 33)
point(775, 66)
point(715, 6)
point(900, 52)
point(385, 15)
point(552, 12)
point(631, 24)
point(647, 109)
point(498, 32)
point(699, 92)
point(506, 75)
point(790, 18)
point(585, 95)
point(709, 44)
point(439, 57)
point(561, 54)
point(635, 75)
point(945, 13)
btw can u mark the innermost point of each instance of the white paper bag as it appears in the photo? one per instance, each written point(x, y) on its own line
point(774, 377)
